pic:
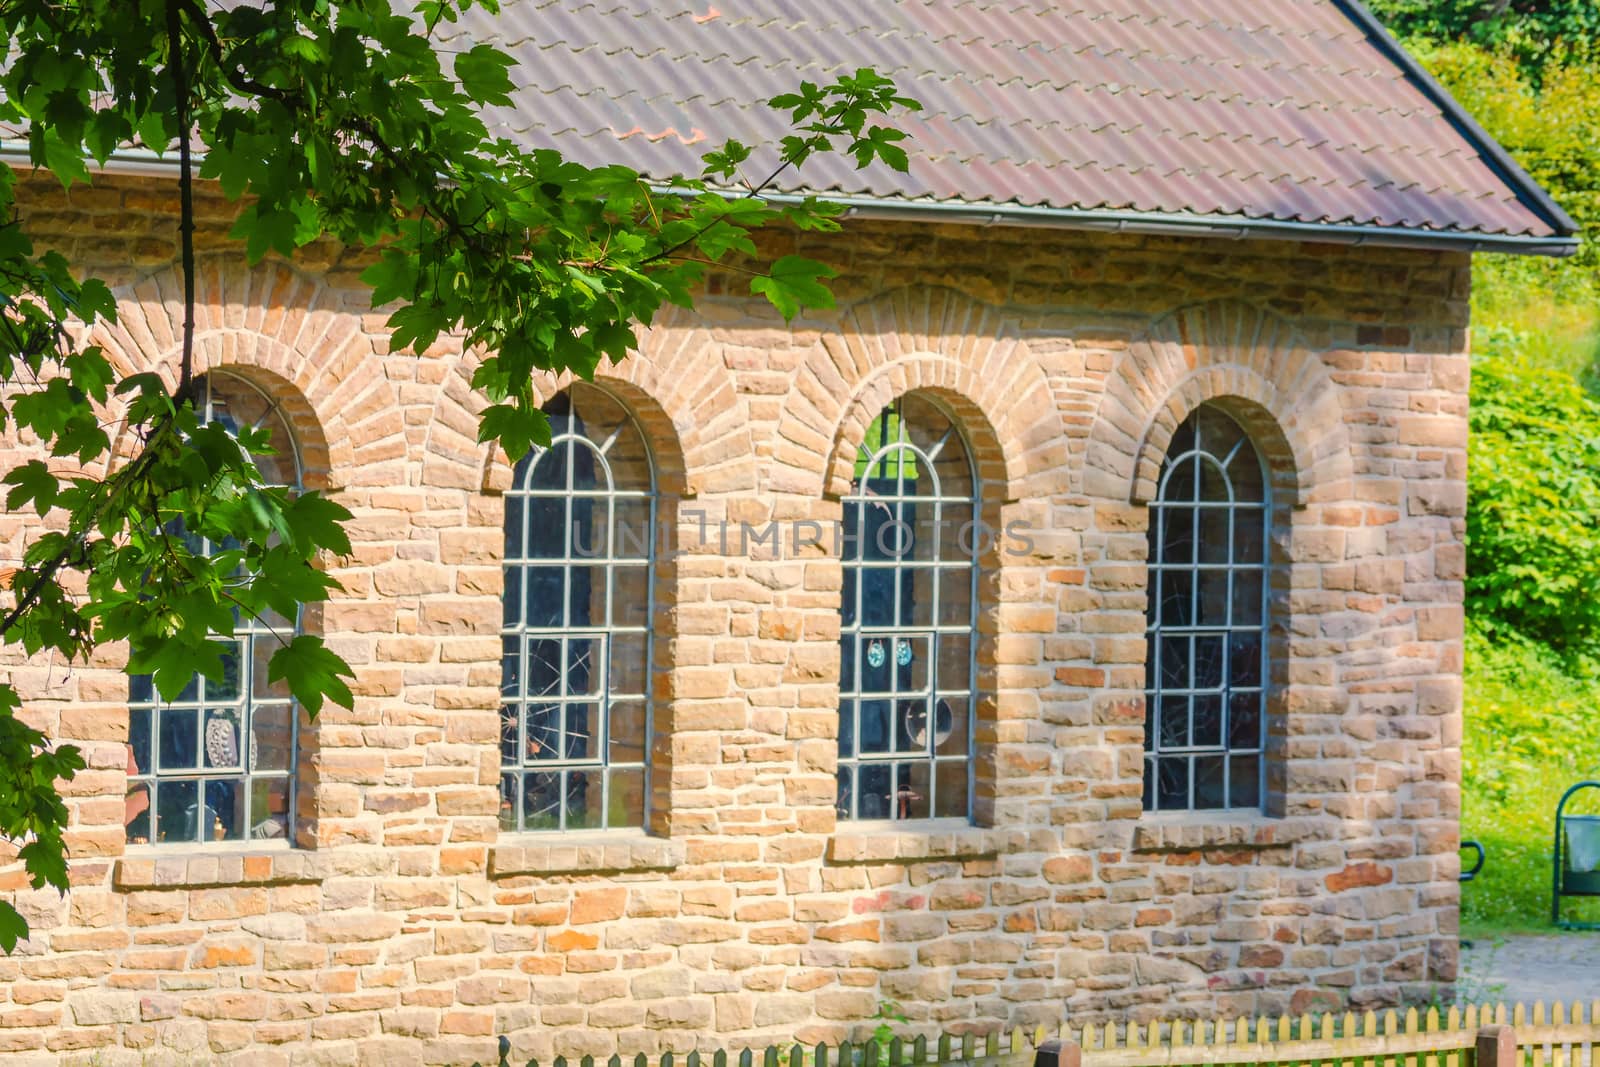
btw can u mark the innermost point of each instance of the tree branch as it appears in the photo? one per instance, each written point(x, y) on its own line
point(180, 88)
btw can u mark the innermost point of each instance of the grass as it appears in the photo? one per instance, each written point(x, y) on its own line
point(1532, 730)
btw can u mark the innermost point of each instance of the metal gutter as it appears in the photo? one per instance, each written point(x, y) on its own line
point(1497, 158)
point(143, 162)
point(1167, 224)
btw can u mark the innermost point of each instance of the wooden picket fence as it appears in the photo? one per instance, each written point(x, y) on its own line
point(1471, 1036)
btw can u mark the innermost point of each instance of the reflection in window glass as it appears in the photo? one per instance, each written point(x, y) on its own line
point(910, 572)
point(575, 700)
point(1205, 699)
point(218, 763)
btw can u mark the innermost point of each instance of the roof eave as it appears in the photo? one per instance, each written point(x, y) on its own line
point(1177, 224)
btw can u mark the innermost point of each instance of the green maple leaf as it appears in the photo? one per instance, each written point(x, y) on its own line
point(792, 284)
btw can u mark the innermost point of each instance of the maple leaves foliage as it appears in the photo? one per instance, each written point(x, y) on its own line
point(337, 119)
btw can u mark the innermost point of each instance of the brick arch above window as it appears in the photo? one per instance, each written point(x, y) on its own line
point(288, 333)
point(1246, 359)
point(936, 340)
point(676, 386)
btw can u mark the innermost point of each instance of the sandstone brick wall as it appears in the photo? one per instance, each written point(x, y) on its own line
point(406, 928)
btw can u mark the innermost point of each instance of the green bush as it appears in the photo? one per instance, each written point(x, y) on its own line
point(1533, 516)
point(1551, 126)
point(1534, 30)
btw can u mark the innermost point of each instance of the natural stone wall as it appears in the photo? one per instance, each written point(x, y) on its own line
point(406, 928)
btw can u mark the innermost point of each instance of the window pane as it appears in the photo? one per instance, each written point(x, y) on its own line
point(269, 808)
point(272, 737)
point(1207, 729)
point(1213, 483)
point(876, 735)
point(958, 533)
point(544, 732)
point(515, 523)
point(222, 738)
point(627, 798)
point(1247, 598)
point(1174, 728)
point(1207, 668)
point(1245, 781)
point(1210, 784)
point(582, 732)
point(630, 596)
point(1214, 539)
point(627, 733)
point(629, 670)
point(139, 740)
point(226, 686)
point(875, 790)
point(541, 801)
point(955, 596)
point(1172, 783)
point(1180, 479)
point(1177, 598)
point(225, 809)
point(1244, 658)
point(586, 799)
point(632, 534)
point(1212, 597)
point(847, 728)
point(177, 814)
point(545, 587)
point(137, 814)
point(950, 728)
point(180, 748)
point(955, 662)
point(913, 797)
point(1177, 535)
point(1245, 474)
point(549, 529)
point(950, 800)
point(1249, 535)
point(1244, 719)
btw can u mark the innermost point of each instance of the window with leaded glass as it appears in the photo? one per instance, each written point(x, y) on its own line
point(1205, 689)
point(579, 596)
point(910, 548)
point(218, 762)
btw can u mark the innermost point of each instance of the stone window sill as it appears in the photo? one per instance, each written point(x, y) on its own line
point(586, 854)
point(1185, 831)
point(222, 865)
point(914, 841)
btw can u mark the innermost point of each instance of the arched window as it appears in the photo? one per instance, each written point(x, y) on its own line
point(579, 567)
point(1207, 657)
point(910, 551)
point(218, 763)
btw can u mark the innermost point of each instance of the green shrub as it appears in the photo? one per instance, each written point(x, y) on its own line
point(1551, 128)
point(1533, 30)
point(1533, 516)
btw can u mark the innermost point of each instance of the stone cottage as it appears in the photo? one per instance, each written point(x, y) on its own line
point(1068, 625)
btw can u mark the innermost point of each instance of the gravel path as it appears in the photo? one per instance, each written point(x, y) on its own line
point(1532, 967)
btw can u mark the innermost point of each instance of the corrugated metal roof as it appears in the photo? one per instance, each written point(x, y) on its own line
point(1293, 111)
